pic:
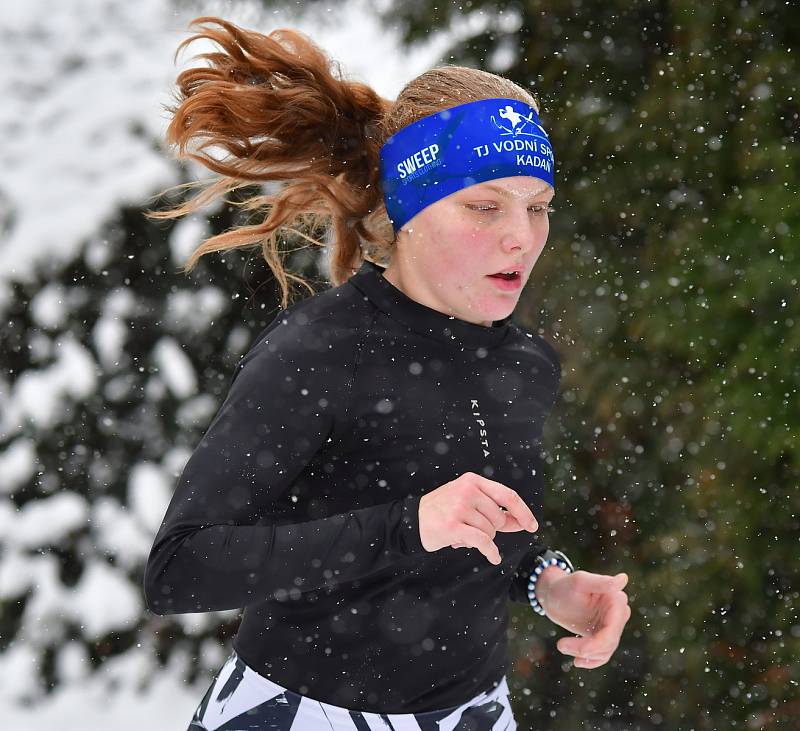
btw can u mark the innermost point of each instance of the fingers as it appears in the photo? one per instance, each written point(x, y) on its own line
point(481, 513)
point(509, 499)
point(510, 523)
point(484, 515)
point(484, 507)
point(494, 514)
point(618, 614)
point(597, 648)
point(586, 659)
point(475, 538)
point(589, 663)
point(607, 636)
point(585, 654)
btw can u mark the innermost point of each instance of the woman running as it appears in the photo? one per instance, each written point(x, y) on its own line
point(368, 490)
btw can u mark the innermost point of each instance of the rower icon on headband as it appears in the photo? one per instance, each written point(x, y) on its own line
point(517, 122)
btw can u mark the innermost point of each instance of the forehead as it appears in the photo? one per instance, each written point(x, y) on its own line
point(520, 186)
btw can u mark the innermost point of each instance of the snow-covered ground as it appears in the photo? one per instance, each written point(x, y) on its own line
point(83, 84)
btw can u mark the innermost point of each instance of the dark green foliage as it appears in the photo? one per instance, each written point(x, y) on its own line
point(670, 288)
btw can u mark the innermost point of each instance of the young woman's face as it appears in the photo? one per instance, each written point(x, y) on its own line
point(445, 254)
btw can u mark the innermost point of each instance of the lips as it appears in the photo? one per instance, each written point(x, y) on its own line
point(514, 269)
point(516, 274)
point(506, 283)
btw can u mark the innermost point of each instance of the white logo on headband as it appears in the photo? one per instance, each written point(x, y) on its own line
point(419, 163)
point(517, 122)
point(542, 156)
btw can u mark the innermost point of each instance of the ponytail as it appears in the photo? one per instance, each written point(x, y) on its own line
point(274, 106)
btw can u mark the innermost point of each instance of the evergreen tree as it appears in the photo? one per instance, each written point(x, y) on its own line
point(114, 365)
point(669, 286)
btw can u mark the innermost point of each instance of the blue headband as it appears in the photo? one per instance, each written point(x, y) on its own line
point(467, 144)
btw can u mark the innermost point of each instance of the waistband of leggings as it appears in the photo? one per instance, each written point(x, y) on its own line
point(271, 688)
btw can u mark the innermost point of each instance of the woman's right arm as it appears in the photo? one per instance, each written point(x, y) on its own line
point(214, 550)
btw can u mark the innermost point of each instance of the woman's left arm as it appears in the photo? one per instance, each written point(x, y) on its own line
point(593, 606)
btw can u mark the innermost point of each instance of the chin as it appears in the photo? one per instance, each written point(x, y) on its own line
point(499, 315)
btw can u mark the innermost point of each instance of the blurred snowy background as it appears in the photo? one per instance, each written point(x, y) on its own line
point(82, 84)
point(669, 288)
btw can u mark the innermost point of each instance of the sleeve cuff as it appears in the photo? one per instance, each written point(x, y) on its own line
point(408, 532)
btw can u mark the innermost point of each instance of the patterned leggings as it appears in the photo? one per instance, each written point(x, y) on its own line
point(239, 699)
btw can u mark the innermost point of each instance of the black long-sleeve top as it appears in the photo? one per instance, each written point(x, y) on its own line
point(300, 504)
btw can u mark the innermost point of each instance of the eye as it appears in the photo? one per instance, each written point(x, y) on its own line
point(539, 209)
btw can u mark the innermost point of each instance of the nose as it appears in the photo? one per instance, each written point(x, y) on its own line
point(522, 229)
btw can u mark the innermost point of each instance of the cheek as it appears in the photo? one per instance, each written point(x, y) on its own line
point(464, 248)
point(478, 251)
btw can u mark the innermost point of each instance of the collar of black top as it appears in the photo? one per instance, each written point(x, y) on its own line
point(369, 280)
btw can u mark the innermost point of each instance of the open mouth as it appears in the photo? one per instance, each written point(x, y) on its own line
point(507, 281)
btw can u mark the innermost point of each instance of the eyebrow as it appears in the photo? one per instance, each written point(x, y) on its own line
point(505, 193)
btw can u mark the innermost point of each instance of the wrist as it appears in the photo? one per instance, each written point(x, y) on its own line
point(546, 560)
point(545, 580)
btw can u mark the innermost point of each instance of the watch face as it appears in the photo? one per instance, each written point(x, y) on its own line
point(564, 558)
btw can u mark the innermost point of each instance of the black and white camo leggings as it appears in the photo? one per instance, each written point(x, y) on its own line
point(239, 699)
